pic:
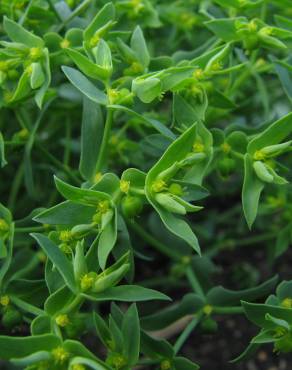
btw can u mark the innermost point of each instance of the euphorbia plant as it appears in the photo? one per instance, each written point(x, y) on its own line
point(141, 142)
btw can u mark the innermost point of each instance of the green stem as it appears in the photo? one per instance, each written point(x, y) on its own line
point(229, 243)
point(22, 19)
point(29, 229)
point(105, 139)
point(194, 282)
point(76, 303)
point(52, 6)
point(59, 164)
point(74, 14)
point(227, 310)
point(15, 187)
point(186, 333)
point(152, 241)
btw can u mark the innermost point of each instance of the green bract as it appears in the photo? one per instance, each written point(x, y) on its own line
point(145, 158)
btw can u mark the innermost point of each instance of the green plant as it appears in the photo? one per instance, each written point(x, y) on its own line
point(130, 130)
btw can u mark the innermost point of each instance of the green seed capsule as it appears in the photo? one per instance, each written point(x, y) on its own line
point(11, 318)
point(131, 206)
point(262, 172)
point(226, 166)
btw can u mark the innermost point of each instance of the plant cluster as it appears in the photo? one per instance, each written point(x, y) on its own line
point(140, 141)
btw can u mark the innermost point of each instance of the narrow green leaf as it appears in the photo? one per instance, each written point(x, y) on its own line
point(58, 258)
point(127, 293)
point(131, 335)
point(18, 347)
point(251, 191)
point(19, 34)
point(91, 135)
point(85, 86)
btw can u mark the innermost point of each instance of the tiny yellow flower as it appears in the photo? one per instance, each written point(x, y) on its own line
point(279, 332)
point(198, 73)
point(4, 300)
point(103, 206)
point(35, 53)
point(62, 320)
point(217, 66)
point(86, 282)
point(97, 177)
point(198, 147)
point(186, 260)
point(78, 367)
point(64, 44)
point(165, 365)
point(136, 67)
point(23, 134)
point(4, 66)
point(124, 186)
point(287, 303)
point(225, 148)
point(252, 26)
point(65, 236)
point(259, 155)
point(3, 225)
point(113, 95)
point(207, 309)
point(60, 355)
point(158, 186)
point(94, 40)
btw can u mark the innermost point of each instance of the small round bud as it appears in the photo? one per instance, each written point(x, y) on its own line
point(175, 189)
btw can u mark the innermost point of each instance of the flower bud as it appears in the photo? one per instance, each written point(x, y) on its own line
point(104, 281)
point(273, 150)
point(192, 158)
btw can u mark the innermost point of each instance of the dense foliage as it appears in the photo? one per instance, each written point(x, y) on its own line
point(140, 141)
